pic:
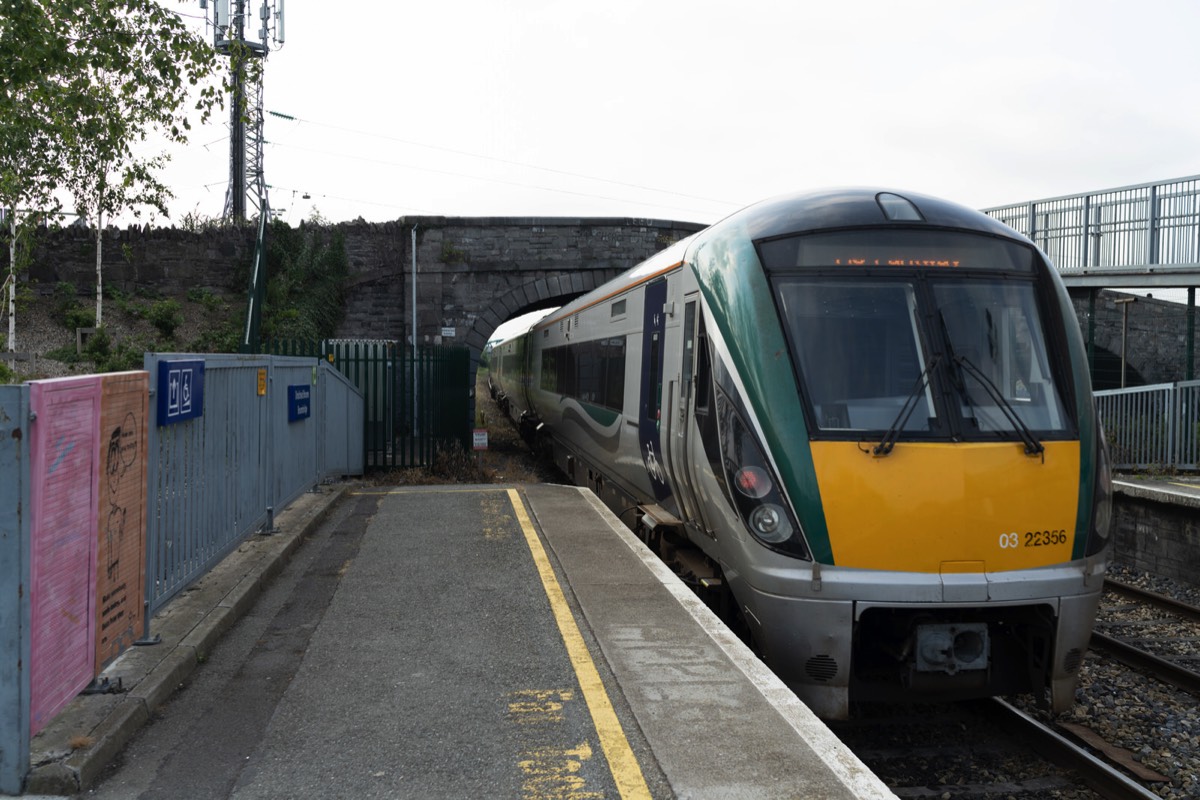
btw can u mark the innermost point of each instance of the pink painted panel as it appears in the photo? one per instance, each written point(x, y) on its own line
point(64, 480)
point(120, 579)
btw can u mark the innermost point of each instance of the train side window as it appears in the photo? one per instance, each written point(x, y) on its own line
point(689, 350)
point(703, 372)
point(656, 375)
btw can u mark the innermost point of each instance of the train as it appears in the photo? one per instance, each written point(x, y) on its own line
point(860, 423)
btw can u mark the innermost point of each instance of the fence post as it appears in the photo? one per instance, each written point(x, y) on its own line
point(15, 635)
point(1152, 227)
point(1172, 427)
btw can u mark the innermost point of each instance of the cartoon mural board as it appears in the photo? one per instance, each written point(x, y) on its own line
point(63, 491)
point(121, 509)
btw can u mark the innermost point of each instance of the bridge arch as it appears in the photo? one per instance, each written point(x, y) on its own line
point(545, 292)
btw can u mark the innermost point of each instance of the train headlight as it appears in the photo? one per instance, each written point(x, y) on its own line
point(770, 523)
point(1101, 498)
point(752, 487)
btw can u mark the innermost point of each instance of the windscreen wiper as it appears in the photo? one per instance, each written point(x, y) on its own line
point(1032, 446)
point(956, 376)
point(889, 437)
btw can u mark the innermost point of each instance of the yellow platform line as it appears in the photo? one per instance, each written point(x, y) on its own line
point(626, 772)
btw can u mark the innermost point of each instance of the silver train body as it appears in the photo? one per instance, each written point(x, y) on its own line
point(861, 419)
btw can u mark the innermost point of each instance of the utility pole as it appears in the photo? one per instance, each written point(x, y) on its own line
point(246, 177)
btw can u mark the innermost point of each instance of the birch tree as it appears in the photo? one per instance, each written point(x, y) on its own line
point(107, 78)
point(33, 130)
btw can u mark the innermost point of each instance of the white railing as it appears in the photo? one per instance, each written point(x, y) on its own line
point(1134, 228)
point(1153, 427)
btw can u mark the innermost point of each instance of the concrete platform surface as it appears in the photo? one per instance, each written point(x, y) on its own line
point(480, 641)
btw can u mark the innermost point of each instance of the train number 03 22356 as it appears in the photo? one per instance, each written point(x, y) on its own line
point(1032, 539)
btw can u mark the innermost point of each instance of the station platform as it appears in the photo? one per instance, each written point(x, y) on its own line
point(1183, 491)
point(491, 641)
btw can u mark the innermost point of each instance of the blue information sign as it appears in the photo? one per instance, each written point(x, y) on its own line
point(180, 391)
point(299, 402)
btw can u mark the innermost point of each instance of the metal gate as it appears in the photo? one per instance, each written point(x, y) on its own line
point(416, 404)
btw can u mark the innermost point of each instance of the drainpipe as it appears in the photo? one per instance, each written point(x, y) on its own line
point(414, 330)
point(1191, 333)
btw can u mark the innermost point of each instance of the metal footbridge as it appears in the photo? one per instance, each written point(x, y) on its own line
point(1136, 236)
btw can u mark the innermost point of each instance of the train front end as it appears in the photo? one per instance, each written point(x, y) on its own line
point(908, 376)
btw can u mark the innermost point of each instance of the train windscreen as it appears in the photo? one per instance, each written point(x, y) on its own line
point(860, 352)
point(925, 337)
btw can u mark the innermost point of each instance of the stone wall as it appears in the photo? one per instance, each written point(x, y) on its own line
point(158, 260)
point(1156, 341)
point(1157, 533)
point(472, 273)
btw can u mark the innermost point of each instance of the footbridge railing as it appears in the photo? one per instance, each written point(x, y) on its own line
point(1146, 235)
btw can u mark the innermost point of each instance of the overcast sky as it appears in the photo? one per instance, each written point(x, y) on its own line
point(689, 110)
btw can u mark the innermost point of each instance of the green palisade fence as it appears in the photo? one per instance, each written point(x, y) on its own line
point(415, 404)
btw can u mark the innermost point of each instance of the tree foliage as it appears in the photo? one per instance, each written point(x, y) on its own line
point(84, 86)
point(307, 284)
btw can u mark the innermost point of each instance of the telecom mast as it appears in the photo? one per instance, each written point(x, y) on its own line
point(230, 23)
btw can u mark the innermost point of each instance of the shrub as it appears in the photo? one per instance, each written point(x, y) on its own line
point(65, 298)
point(205, 297)
point(166, 316)
point(79, 317)
point(224, 339)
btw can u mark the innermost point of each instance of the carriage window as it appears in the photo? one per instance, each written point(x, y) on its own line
point(592, 372)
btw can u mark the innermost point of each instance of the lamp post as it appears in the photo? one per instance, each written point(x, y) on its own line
point(1124, 303)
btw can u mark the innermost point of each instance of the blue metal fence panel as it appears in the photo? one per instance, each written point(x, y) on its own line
point(340, 441)
point(219, 455)
point(209, 477)
point(293, 440)
point(14, 587)
point(216, 477)
point(1187, 425)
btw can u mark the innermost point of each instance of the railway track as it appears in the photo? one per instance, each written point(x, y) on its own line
point(1139, 635)
point(1127, 726)
point(980, 749)
point(1136, 704)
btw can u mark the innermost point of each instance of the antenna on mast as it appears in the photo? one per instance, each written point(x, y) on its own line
point(229, 20)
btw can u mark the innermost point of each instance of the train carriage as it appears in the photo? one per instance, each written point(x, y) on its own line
point(863, 418)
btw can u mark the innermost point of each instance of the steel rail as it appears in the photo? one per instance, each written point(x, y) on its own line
point(1154, 598)
point(1105, 780)
point(1159, 667)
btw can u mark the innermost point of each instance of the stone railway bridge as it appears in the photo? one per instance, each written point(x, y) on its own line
point(472, 274)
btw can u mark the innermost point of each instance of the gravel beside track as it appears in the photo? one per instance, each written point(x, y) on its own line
point(1159, 724)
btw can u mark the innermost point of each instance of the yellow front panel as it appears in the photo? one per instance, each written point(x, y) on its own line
point(926, 505)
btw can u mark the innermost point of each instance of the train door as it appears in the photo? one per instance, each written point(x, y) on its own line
point(682, 406)
point(650, 416)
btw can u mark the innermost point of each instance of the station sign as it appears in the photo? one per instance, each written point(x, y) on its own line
point(299, 402)
point(180, 390)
